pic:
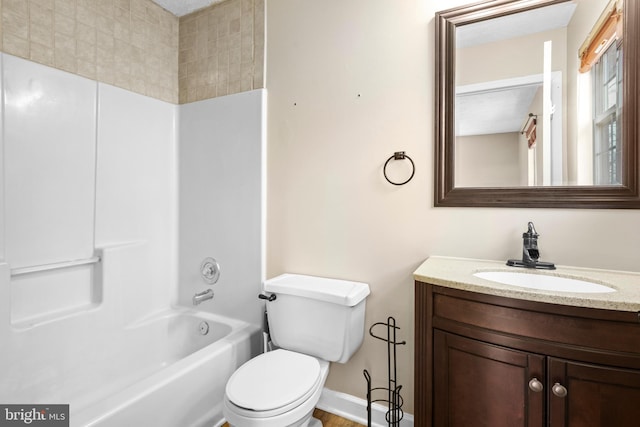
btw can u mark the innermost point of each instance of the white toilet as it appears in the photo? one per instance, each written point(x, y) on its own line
point(312, 321)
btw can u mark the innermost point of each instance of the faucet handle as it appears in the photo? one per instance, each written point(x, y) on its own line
point(531, 230)
point(210, 270)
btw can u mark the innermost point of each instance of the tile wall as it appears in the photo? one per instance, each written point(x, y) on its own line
point(131, 44)
point(222, 50)
point(138, 46)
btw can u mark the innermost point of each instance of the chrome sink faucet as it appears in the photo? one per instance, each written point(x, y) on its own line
point(202, 296)
point(530, 252)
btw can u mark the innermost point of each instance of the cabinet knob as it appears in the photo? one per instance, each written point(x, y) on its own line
point(535, 385)
point(559, 390)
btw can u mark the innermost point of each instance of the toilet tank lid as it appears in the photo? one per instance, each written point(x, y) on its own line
point(342, 292)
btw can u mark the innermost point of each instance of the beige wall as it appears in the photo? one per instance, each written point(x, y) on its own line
point(517, 57)
point(349, 83)
point(489, 161)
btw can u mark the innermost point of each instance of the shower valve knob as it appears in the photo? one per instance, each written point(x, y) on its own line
point(210, 270)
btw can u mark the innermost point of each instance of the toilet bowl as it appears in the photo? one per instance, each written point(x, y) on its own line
point(279, 388)
point(312, 321)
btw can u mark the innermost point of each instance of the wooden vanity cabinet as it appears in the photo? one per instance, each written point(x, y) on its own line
point(476, 373)
point(484, 360)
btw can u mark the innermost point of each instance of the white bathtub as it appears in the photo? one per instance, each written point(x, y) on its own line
point(160, 371)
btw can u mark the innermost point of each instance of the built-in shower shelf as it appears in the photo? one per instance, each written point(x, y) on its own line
point(54, 266)
point(42, 293)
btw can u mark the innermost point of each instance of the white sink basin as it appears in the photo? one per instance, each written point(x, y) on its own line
point(544, 282)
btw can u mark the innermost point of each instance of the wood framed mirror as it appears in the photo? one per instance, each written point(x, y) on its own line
point(569, 153)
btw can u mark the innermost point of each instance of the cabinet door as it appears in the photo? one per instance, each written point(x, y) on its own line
point(479, 384)
point(596, 396)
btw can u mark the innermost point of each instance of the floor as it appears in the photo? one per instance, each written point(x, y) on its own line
point(328, 420)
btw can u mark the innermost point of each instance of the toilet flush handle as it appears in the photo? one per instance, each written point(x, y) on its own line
point(267, 297)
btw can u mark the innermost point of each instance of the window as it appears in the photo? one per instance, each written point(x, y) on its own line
point(601, 55)
point(607, 78)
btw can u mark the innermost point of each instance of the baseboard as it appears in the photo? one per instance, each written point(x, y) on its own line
point(355, 409)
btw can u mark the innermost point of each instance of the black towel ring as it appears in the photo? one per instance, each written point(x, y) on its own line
point(399, 155)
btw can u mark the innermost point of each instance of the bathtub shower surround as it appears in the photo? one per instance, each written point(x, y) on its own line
point(222, 201)
point(39, 105)
point(49, 126)
point(113, 372)
point(87, 165)
point(89, 178)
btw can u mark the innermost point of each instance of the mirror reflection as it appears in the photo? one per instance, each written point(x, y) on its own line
point(538, 97)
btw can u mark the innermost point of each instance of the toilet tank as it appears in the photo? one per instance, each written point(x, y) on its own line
point(317, 316)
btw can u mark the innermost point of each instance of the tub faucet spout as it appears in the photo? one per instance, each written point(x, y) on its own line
point(202, 296)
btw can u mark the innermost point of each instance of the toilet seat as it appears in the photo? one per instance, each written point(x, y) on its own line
point(273, 383)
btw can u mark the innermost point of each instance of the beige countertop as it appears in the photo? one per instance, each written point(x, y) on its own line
point(457, 273)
